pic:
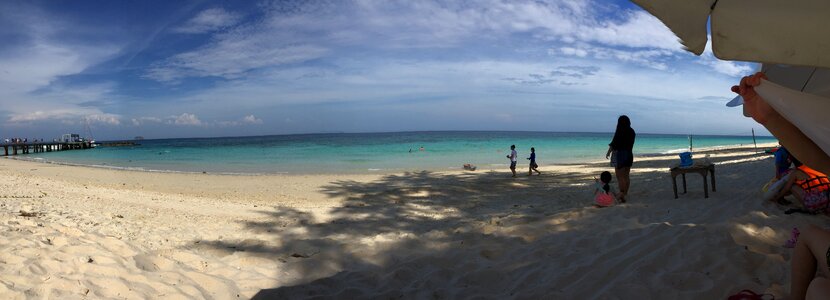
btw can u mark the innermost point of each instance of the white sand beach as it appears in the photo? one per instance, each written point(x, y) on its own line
point(73, 232)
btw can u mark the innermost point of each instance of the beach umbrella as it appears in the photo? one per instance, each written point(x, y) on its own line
point(791, 38)
point(793, 32)
point(811, 80)
point(802, 96)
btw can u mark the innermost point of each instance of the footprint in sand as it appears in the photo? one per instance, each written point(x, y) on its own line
point(153, 263)
point(688, 281)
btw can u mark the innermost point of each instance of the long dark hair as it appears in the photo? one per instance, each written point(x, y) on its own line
point(623, 123)
point(605, 178)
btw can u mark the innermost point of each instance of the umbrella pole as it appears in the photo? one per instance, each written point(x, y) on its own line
point(690, 143)
point(753, 140)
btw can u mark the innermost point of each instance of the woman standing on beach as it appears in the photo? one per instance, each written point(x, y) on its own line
point(622, 145)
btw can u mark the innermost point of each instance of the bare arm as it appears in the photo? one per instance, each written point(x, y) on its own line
point(801, 146)
point(608, 154)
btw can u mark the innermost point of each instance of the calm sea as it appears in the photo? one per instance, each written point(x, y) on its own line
point(371, 152)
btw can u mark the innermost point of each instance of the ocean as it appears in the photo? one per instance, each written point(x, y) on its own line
point(365, 153)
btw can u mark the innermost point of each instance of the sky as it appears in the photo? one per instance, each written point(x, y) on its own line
point(167, 69)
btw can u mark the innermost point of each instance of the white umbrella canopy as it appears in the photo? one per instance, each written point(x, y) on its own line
point(802, 96)
point(791, 38)
point(795, 32)
point(810, 80)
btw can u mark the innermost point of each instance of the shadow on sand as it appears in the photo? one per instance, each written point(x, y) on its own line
point(411, 235)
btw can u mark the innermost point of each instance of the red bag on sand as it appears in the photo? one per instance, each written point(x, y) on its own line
point(750, 295)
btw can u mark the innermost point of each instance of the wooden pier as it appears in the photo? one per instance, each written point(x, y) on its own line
point(40, 147)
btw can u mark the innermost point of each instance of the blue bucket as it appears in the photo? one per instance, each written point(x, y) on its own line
point(686, 159)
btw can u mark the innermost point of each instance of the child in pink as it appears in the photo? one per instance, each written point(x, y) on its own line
point(604, 195)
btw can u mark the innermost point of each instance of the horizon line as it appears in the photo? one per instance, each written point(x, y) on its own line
point(428, 131)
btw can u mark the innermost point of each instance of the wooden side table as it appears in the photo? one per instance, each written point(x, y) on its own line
point(703, 170)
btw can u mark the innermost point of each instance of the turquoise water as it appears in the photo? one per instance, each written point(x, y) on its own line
point(371, 152)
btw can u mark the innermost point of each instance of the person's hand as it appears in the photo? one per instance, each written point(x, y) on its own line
point(607, 155)
point(756, 106)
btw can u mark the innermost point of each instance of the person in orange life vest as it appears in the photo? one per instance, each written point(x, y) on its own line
point(805, 184)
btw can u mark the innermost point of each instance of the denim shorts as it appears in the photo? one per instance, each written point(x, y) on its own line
point(624, 159)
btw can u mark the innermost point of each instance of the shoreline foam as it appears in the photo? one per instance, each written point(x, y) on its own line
point(382, 171)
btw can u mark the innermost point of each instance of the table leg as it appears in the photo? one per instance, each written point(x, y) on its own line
point(684, 182)
point(714, 187)
point(705, 186)
point(674, 185)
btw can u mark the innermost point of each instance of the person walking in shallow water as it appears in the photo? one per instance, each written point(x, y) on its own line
point(513, 159)
point(622, 156)
point(533, 164)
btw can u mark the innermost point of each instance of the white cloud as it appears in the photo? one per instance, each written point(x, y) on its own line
point(574, 51)
point(67, 104)
point(231, 57)
point(189, 119)
point(42, 54)
point(30, 67)
point(209, 20)
point(39, 64)
point(292, 33)
point(104, 119)
point(143, 120)
point(185, 119)
point(250, 119)
point(638, 29)
point(65, 117)
point(730, 68)
point(33, 116)
point(414, 24)
point(645, 57)
point(389, 81)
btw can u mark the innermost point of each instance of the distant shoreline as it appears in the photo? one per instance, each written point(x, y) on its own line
point(482, 168)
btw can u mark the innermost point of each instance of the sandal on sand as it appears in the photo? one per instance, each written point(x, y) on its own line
point(750, 295)
point(793, 239)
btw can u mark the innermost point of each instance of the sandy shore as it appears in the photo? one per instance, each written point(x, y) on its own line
point(78, 232)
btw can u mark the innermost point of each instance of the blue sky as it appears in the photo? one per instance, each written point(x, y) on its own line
point(206, 68)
